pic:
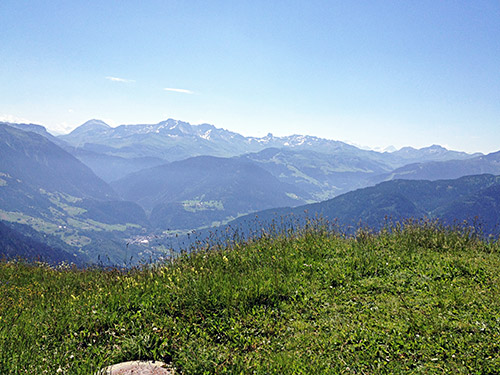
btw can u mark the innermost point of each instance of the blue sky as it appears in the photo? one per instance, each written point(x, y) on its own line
point(375, 73)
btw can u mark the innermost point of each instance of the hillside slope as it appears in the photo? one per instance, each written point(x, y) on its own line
point(41, 164)
point(49, 190)
point(201, 190)
point(14, 244)
point(321, 175)
point(466, 198)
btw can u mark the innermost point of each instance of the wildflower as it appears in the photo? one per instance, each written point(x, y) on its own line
point(225, 259)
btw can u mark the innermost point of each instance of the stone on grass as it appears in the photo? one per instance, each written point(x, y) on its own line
point(138, 368)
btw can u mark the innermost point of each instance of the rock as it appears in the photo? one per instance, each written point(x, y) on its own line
point(138, 368)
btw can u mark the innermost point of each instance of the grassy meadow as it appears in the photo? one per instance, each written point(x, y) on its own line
point(418, 298)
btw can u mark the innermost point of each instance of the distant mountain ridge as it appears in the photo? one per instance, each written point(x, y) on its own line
point(96, 132)
point(176, 140)
point(112, 153)
point(447, 169)
point(431, 153)
point(333, 168)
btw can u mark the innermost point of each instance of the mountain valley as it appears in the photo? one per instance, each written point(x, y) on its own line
point(134, 190)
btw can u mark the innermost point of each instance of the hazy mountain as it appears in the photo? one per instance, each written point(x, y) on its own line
point(449, 200)
point(450, 169)
point(43, 186)
point(325, 176)
point(200, 190)
point(333, 167)
point(91, 128)
point(111, 168)
point(431, 153)
point(169, 140)
point(38, 129)
point(41, 164)
point(176, 140)
point(321, 175)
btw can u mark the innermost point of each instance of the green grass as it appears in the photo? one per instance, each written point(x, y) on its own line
point(417, 299)
point(37, 223)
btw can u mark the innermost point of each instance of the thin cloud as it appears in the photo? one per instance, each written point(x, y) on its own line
point(183, 91)
point(117, 79)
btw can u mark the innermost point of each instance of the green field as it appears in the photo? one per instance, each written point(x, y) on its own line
point(200, 205)
point(417, 299)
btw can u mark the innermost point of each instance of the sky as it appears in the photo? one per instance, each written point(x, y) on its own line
point(374, 73)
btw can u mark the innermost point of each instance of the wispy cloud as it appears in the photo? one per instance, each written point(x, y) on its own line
point(117, 79)
point(183, 91)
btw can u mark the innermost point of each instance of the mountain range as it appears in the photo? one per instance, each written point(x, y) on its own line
point(321, 168)
point(123, 192)
point(174, 140)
